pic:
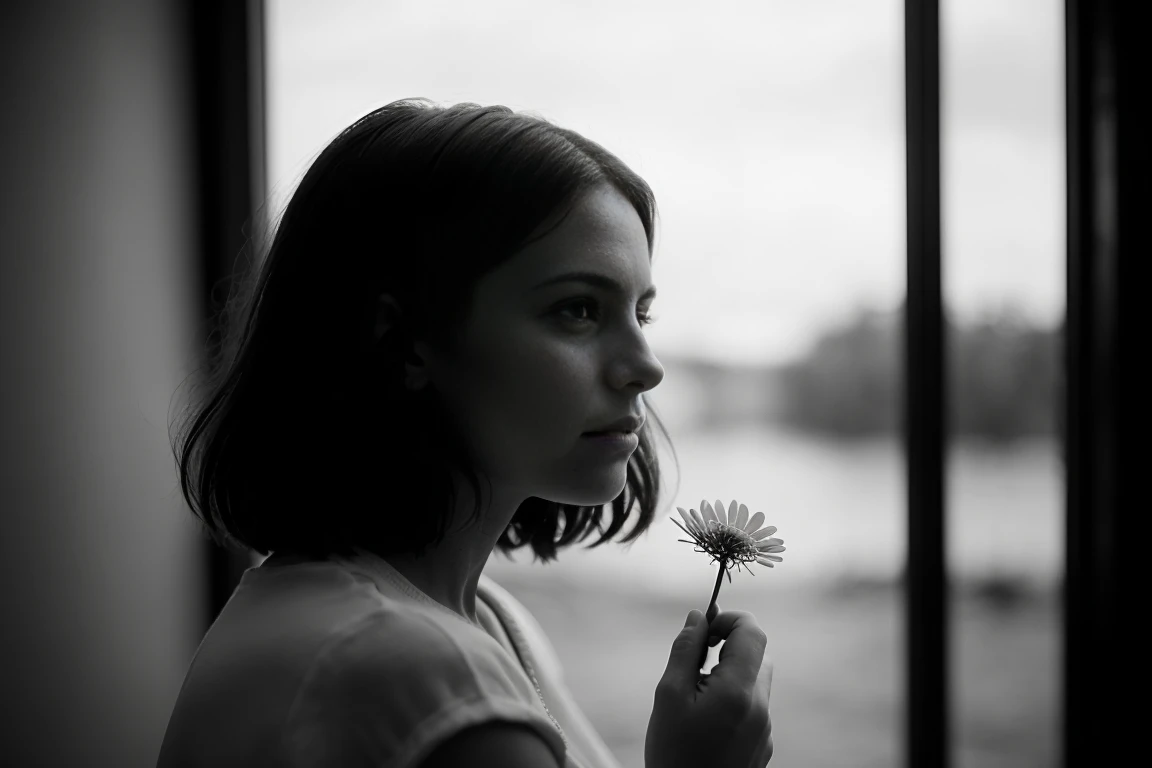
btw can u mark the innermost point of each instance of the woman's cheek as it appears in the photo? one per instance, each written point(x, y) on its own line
point(557, 383)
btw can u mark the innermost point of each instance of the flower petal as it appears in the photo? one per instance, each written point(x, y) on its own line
point(708, 512)
point(720, 513)
point(765, 532)
point(688, 531)
point(687, 518)
point(755, 522)
point(741, 517)
point(762, 561)
point(762, 550)
point(776, 558)
point(698, 520)
point(769, 542)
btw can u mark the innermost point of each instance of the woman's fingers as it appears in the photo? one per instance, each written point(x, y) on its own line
point(724, 622)
point(742, 656)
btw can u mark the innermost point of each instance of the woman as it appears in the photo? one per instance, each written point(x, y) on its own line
point(413, 381)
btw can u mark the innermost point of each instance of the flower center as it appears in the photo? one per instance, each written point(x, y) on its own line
point(734, 542)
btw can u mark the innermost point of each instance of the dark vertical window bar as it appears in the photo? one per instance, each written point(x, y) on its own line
point(228, 72)
point(926, 700)
point(1106, 378)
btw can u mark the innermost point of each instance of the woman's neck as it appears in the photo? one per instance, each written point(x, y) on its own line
point(448, 574)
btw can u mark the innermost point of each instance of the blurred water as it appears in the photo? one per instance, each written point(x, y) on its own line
point(840, 507)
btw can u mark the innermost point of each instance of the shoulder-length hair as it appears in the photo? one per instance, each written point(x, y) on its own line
point(304, 437)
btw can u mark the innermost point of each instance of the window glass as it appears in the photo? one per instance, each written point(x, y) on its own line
point(1002, 159)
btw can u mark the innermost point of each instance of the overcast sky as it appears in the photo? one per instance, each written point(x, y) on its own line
point(770, 130)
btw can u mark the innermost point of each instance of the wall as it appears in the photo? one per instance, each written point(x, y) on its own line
point(97, 325)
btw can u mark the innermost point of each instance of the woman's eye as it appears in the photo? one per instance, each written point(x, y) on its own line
point(590, 307)
point(577, 306)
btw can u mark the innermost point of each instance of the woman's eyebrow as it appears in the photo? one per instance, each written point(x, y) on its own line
point(592, 278)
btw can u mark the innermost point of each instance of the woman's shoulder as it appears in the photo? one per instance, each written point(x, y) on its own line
point(336, 623)
point(401, 633)
point(397, 683)
point(411, 647)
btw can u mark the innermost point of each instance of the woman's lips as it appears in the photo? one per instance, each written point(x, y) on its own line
point(612, 439)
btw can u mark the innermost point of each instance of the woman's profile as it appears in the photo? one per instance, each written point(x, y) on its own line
point(442, 355)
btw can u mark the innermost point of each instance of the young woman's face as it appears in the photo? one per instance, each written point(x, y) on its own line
point(537, 367)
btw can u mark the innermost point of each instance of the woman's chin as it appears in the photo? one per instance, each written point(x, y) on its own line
point(605, 493)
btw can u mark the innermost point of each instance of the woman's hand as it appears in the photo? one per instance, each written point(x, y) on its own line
point(718, 720)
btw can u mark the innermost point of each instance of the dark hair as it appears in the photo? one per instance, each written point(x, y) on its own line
point(306, 438)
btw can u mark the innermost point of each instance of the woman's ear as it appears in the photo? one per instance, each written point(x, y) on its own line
point(388, 315)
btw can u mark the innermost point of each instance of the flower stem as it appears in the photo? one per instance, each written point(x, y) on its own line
point(716, 589)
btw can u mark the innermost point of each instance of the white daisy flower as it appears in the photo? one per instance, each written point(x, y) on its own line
point(732, 538)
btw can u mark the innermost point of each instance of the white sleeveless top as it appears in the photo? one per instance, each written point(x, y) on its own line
point(345, 662)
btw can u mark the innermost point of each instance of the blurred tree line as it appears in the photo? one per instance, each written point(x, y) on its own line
point(1004, 378)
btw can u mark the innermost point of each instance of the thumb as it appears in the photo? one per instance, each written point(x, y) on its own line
point(688, 652)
